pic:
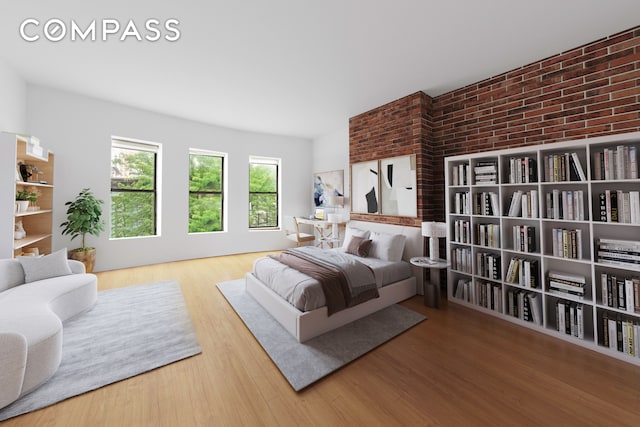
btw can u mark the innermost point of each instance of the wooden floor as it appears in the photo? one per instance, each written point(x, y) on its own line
point(458, 368)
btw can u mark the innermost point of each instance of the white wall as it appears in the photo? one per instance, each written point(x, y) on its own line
point(13, 98)
point(78, 129)
point(331, 152)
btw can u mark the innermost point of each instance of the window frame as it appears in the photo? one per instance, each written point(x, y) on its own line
point(222, 192)
point(141, 146)
point(266, 161)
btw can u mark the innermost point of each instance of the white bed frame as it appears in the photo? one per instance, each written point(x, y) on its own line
point(304, 325)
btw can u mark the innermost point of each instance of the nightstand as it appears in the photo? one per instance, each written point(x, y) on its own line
point(432, 287)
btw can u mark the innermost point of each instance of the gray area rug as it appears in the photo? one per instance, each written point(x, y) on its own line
point(305, 363)
point(129, 331)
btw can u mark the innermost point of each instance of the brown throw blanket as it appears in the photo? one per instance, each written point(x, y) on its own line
point(332, 279)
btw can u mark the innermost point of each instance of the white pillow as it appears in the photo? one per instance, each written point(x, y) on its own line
point(352, 231)
point(388, 247)
point(40, 268)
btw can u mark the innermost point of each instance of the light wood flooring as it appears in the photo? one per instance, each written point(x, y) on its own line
point(458, 368)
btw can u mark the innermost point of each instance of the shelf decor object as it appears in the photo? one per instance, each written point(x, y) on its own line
point(546, 237)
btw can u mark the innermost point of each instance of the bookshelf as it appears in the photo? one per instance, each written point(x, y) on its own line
point(37, 219)
point(548, 237)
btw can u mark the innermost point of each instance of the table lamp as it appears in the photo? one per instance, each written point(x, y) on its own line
point(434, 231)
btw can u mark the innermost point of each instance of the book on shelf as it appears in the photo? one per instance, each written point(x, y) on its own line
point(621, 292)
point(566, 204)
point(570, 318)
point(620, 162)
point(460, 174)
point(566, 243)
point(522, 170)
point(619, 252)
point(563, 167)
point(486, 172)
point(523, 237)
point(619, 206)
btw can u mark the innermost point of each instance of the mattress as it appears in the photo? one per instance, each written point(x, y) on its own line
point(305, 293)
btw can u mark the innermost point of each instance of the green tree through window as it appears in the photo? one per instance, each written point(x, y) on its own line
point(206, 172)
point(263, 193)
point(133, 189)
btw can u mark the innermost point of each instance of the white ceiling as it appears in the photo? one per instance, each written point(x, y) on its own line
point(298, 67)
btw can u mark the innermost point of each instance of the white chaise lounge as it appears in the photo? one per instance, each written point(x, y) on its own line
point(31, 316)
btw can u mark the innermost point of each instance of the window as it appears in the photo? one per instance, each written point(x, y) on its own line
point(206, 195)
point(134, 189)
point(264, 186)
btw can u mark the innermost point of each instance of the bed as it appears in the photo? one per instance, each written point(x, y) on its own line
point(309, 320)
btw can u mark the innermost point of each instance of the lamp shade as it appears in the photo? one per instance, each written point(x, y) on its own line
point(434, 229)
point(336, 200)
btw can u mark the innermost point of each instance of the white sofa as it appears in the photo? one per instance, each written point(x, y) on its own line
point(31, 316)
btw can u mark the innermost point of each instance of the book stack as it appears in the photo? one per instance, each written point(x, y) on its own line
point(524, 204)
point(525, 306)
point(522, 170)
point(486, 172)
point(616, 163)
point(619, 252)
point(488, 265)
point(568, 205)
point(464, 290)
point(619, 206)
point(461, 231)
point(488, 295)
point(563, 167)
point(488, 235)
point(461, 259)
point(460, 174)
point(566, 243)
point(620, 333)
point(462, 203)
point(524, 238)
point(487, 203)
point(523, 272)
point(620, 292)
point(566, 285)
point(570, 318)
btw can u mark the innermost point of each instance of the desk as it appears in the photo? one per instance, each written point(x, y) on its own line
point(431, 288)
point(327, 232)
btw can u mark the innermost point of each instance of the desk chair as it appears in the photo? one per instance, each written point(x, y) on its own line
point(296, 235)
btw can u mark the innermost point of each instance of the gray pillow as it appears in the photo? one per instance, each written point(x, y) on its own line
point(40, 268)
point(359, 246)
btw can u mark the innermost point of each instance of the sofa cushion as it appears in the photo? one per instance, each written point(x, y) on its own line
point(11, 274)
point(40, 268)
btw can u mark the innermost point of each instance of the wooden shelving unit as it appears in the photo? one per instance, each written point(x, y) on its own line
point(559, 234)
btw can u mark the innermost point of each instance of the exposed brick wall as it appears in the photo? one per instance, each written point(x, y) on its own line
point(400, 128)
point(587, 91)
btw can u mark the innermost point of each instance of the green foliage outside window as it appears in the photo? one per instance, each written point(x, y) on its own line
point(263, 195)
point(133, 197)
point(205, 193)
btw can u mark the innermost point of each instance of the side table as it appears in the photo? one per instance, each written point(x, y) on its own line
point(432, 287)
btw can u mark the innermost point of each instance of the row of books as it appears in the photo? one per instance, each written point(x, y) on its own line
point(461, 231)
point(487, 295)
point(616, 163)
point(563, 167)
point(462, 203)
point(523, 170)
point(524, 238)
point(464, 290)
point(524, 305)
point(486, 203)
point(566, 285)
point(566, 204)
point(620, 291)
point(461, 259)
point(524, 204)
point(620, 206)
point(486, 172)
point(619, 333)
point(570, 318)
point(488, 235)
point(523, 272)
point(566, 243)
point(460, 174)
point(624, 253)
point(488, 265)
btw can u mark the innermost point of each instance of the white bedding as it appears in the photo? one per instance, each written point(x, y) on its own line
point(305, 293)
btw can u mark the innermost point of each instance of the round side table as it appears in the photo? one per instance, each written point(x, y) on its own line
point(432, 287)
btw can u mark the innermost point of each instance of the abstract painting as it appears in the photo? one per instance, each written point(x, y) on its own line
point(398, 186)
point(326, 185)
point(364, 187)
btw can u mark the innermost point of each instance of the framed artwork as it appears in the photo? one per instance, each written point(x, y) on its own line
point(364, 187)
point(398, 192)
point(326, 185)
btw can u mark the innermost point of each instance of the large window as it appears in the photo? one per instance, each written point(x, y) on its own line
point(134, 189)
point(206, 191)
point(263, 192)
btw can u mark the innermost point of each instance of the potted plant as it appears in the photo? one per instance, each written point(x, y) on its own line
point(23, 198)
point(84, 215)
